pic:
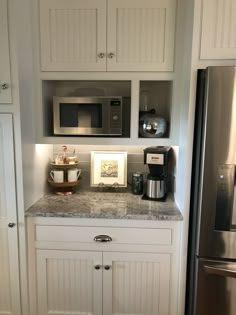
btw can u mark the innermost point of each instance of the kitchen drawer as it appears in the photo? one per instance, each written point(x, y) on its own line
point(83, 234)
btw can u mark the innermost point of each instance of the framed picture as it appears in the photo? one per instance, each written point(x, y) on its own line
point(108, 168)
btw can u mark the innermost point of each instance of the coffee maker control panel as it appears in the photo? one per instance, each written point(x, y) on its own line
point(154, 158)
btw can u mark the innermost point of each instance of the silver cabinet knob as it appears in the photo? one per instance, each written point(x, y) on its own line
point(111, 55)
point(11, 225)
point(101, 55)
point(97, 267)
point(4, 86)
point(102, 238)
point(107, 267)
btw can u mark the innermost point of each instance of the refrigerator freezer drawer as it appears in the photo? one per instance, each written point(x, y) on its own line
point(216, 288)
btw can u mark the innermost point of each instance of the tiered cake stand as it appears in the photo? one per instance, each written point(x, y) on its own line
point(65, 188)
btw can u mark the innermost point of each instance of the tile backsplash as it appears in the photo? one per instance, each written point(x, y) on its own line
point(83, 153)
point(135, 159)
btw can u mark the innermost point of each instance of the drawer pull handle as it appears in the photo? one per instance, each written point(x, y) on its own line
point(107, 267)
point(102, 238)
point(97, 267)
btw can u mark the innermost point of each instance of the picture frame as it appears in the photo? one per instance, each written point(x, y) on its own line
point(108, 168)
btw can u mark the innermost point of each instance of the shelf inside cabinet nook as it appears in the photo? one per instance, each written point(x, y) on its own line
point(64, 166)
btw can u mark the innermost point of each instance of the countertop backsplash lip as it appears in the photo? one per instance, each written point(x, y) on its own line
point(95, 203)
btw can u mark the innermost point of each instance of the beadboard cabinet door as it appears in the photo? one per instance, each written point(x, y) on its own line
point(108, 283)
point(9, 264)
point(136, 283)
point(102, 35)
point(69, 282)
point(73, 35)
point(5, 73)
point(71, 271)
point(218, 37)
point(141, 35)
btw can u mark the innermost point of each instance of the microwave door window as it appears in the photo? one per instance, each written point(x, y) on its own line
point(68, 115)
point(86, 118)
point(89, 115)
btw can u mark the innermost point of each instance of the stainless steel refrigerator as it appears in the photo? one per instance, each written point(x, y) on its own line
point(211, 272)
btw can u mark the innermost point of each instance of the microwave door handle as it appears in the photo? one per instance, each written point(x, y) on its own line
point(220, 271)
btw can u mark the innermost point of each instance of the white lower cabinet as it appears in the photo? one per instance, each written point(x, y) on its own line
point(73, 274)
point(81, 282)
point(68, 283)
point(136, 283)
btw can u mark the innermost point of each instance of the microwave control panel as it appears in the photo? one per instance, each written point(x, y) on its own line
point(116, 117)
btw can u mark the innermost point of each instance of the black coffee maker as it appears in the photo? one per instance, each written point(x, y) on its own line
point(157, 159)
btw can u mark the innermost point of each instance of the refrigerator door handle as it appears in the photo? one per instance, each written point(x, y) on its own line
point(220, 270)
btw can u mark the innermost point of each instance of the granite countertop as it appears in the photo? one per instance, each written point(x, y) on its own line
point(107, 205)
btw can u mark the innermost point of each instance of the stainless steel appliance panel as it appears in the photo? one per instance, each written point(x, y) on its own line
point(88, 116)
point(216, 236)
point(216, 288)
point(211, 272)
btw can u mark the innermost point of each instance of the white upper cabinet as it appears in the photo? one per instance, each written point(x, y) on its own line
point(140, 35)
point(5, 77)
point(73, 35)
point(101, 35)
point(218, 38)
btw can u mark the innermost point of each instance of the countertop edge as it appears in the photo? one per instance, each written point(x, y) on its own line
point(90, 205)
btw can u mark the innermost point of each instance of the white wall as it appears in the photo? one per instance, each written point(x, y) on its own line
point(35, 157)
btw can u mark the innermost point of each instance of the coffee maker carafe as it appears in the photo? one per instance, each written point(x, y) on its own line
point(157, 159)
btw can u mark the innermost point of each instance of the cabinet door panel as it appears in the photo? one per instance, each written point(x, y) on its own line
point(9, 270)
point(73, 34)
point(5, 93)
point(136, 284)
point(141, 35)
point(218, 39)
point(68, 283)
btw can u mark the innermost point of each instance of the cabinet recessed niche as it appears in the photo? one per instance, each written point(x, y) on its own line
point(155, 98)
point(69, 88)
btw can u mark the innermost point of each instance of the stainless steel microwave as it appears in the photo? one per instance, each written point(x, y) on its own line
point(88, 116)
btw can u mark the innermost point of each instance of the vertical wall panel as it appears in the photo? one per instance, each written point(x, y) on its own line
point(69, 30)
point(135, 288)
point(218, 38)
point(69, 286)
point(5, 292)
point(136, 284)
point(225, 24)
point(72, 34)
point(5, 73)
point(140, 35)
point(9, 268)
point(67, 281)
point(3, 206)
